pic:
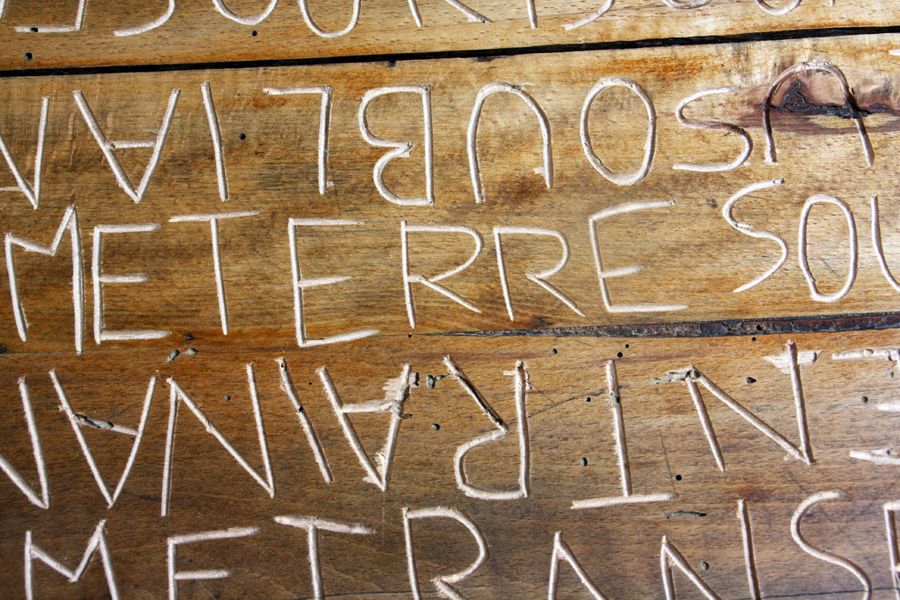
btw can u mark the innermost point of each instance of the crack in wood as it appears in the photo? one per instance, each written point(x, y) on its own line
point(704, 329)
point(481, 55)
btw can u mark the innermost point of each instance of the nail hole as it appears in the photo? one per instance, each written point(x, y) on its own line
point(227, 398)
point(583, 461)
point(29, 56)
point(759, 327)
point(678, 478)
point(242, 136)
point(435, 426)
point(34, 30)
point(253, 33)
point(628, 345)
point(409, 335)
point(865, 399)
point(750, 380)
point(588, 399)
point(753, 339)
point(619, 354)
point(553, 351)
point(704, 566)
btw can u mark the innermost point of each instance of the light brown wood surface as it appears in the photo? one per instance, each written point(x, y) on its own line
point(197, 32)
point(690, 254)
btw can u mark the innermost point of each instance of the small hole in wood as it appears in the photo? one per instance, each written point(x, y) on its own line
point(242, 136)
point(865, 399)
point(628, 345)
point(759, 327)
point(619, 354)
point(227, 398)
point(583, 461)
point(750, 380)
point(29, 56)
point(253, 33)
point(753, 339)
point(704, 566)
point(34, 30)
point(553, 351)
point(678, 478)
point(435, 426)
point(588, 399)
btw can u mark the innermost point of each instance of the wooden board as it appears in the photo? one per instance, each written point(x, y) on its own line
point(157, 273)
point(691, 255)
point(572, 458)
point(198, 32)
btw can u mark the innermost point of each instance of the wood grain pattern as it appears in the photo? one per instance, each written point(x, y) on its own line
point(572, 458)
point(692, 256)
point(197, 32)
point(690, 253)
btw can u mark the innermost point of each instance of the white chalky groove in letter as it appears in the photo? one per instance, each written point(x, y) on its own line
point(77, 424)
point(324, 123)
point(443, 583)
point(691, 376)
point(712, 125)
point(602, 275)
point(396, 393)
point(178, 395)
point(170, 10)
point(681, 4)
point(538, 278)
point(670, 557)
point(32, 191)
point(431, 282)
point(883, 456)
point(400, 149)
point(890, 523)
point(108, 147)
point(502, 430)
point(287, 385)
point(747, 229)
point(822, 555)
point(252, 20)
point(173, 542)
point(779, 11)
point(801, 243)
point(217, 258)
point(743, 514)
point(101, 334)
point(215, 132)
point(627, 497)
point(562, 552)
point(70, 222)
point(649, 144)
point(79, 23)
point(313, 525)
point(96, 542)
point(42, 501)
point(607, 4)
point(472, 134)
point(472, 15)
point(879, 249)
point(299, 284)
point(849, 98)
point(307, 18)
